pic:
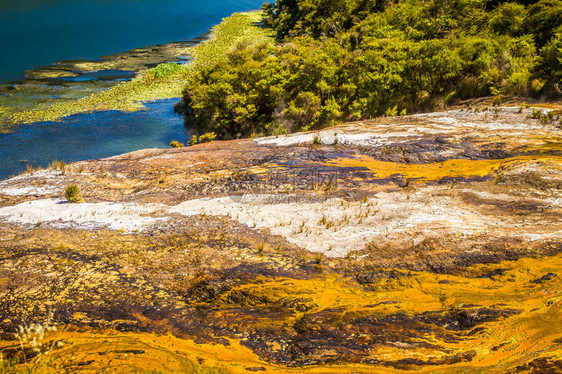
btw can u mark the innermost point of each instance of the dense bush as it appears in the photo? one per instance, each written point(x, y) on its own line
point(340, 60)
point(73, 195)
point(176, 144)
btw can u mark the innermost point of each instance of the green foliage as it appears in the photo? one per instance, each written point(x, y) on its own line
point(537, 113)
point(543, 20)
point(550, 65)
point(58, 165)
point(537, 85)
point(342, 60)
point(508, 19)
point(166, 69)
point(544, 117)
point(318, 18)
point(318, 258)
point(193, 140)
point(176, 144)
point(205, 138)
point(73, 195)
point(391, 112)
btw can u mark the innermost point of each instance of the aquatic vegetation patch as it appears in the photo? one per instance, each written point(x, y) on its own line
point(163, 70)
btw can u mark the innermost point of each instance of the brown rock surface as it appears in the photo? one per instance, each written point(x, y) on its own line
point(426, 242)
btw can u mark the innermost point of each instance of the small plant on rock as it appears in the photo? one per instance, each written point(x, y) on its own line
point(176, 144)
point(207, 137)
point(59, 165)
point(193, 140)
point(35, 348)
point(537, 113)
point(73, 195)
point(318, 258)
point(391, 112)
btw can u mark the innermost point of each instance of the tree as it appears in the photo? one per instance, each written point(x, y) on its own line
point(543, 20)
point(508, 19)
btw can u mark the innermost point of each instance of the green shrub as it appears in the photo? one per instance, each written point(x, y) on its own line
point(176, 144)
point(537, 86)
point(544, 117)
point(391, 112)
point(497, 101)
point(193, 140)
point(58, 165)
point(550, 67)
point(318, 258)
point(537, 113)
point(508, 18)
point(73, 195)
point(207, 137)
point(359, 59)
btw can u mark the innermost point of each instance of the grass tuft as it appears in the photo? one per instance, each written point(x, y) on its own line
point(73, 194)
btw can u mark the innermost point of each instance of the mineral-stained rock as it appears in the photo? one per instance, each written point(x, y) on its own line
point(424, 243)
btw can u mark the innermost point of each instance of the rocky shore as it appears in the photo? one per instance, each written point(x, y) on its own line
point(426, 242)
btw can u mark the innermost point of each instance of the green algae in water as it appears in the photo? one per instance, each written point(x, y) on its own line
point(158, 83)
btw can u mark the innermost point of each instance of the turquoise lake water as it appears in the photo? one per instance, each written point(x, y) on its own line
point(41, 32)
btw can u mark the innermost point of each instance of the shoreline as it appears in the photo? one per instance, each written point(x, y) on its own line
point(164, 82)
point(76, 67)
point(78, 79)
point(149, 84)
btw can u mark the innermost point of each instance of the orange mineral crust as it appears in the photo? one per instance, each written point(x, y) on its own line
point(424, 243)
